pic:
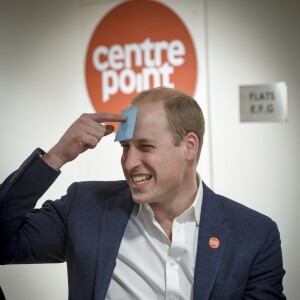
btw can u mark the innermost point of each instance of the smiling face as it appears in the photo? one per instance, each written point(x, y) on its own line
point(156, 170)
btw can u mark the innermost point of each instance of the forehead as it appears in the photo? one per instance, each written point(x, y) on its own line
point(151, 119)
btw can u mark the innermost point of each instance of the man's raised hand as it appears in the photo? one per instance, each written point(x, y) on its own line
point(85, 133)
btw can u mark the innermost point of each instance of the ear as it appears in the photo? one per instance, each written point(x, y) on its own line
point(191, 146)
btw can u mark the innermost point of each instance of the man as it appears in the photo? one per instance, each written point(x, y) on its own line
point(161, 234)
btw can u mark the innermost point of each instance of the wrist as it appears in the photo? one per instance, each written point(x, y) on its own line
point(53, 160)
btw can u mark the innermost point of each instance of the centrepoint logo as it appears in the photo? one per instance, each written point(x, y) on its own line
point(136, 46)
point(117, 71)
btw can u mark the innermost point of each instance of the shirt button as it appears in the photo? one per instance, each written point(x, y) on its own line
point(172, 264)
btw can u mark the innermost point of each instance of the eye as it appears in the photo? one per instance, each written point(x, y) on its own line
point(124, 146)
point(146, 147)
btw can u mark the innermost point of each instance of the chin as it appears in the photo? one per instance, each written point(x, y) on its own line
point(139, 200)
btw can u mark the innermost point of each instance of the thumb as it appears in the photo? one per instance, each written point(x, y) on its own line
point(109, 129)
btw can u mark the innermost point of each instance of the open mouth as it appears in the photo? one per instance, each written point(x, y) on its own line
point(140, 179)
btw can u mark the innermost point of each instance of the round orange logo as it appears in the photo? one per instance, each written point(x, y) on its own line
point(138, 45)
point(214, 242)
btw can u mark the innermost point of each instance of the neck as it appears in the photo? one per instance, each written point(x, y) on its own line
point(165, 213)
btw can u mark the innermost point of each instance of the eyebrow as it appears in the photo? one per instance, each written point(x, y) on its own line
point(139, 141)
point(143, 140)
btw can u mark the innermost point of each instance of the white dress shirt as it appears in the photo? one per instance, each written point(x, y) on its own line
point(149, 265)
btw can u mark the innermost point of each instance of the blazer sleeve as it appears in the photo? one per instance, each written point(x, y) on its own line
point(29, 235)
point(266, 275)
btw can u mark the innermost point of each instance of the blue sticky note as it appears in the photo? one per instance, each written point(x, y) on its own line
point(126, 128)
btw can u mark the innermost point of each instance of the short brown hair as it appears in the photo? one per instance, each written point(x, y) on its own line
point(184, 114)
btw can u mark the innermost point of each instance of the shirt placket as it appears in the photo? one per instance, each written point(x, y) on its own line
point(173, 261)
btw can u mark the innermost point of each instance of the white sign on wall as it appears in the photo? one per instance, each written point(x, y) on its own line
point(263, 103)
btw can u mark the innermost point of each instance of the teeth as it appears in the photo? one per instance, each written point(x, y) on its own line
point(140, 179)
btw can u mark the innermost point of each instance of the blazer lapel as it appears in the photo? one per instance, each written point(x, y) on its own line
point(208, 259)
point(115, 218)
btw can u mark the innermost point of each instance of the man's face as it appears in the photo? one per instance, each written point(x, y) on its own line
point(154, 168)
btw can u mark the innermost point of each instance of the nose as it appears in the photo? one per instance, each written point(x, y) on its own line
point(131, 158)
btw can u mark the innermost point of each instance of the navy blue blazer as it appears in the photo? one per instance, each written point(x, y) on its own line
point(85, 228)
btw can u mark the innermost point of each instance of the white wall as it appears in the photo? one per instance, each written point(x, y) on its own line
point(41, 68)
point(257, 42)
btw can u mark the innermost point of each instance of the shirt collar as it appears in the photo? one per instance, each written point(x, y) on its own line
point(197, 204)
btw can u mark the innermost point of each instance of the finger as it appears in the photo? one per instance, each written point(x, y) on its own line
point(97, 130)
point(89, 142)
point(108, 117)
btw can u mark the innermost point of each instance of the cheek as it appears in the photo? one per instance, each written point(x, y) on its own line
point(167, 165)
point(175, 163)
